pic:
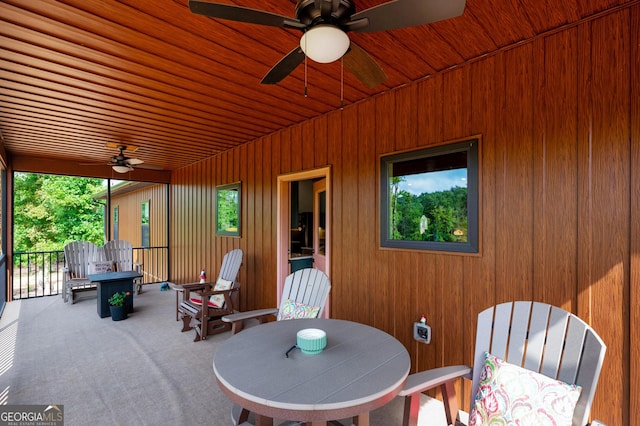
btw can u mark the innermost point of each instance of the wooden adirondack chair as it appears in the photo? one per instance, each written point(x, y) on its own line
point(215, 299)
point(78, 256)
point(120, 252)
point(304, 295)
point(535, 336)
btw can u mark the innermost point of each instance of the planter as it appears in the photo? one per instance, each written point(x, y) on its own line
point(118, 313)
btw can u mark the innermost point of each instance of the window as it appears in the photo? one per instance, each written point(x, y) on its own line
point(429, 198)
point(144, 219)
point(228, 209)
point(115, 222)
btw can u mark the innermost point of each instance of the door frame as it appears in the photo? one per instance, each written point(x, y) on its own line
point(284, 221)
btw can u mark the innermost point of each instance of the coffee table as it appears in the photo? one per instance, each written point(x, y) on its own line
point(361, 369)
point(109, 283)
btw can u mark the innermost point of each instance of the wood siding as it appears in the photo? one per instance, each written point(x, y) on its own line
point(154, 261)
point(559, 119)
point(130, 215)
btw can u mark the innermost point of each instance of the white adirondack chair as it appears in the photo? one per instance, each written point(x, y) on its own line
point(536, 336)
point(120, 252)
point(308, 287)
point(78, 256)
point(304, 295)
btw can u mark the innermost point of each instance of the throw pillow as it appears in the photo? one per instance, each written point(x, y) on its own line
point(217, 300)
point(512, 395)
point(101, 267)
point(294, 310)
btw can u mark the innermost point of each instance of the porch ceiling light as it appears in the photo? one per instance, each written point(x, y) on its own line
point(120, 169)
point(324, 43)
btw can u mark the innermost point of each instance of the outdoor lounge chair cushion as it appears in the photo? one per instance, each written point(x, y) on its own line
point(509, 394)
point(295, 310)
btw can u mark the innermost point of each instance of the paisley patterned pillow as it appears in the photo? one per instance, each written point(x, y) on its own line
point(511, 395)
point(294, 310)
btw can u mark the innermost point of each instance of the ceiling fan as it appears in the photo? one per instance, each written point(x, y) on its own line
point(123, 164)
point(324, 24)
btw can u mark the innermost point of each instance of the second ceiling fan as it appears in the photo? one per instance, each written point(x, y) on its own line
point(324, 24)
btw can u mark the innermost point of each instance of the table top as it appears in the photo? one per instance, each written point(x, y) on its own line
point(111, 276)
point(362, 368)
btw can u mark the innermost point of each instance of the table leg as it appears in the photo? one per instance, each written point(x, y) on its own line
point(263, 420)
point(362, 419)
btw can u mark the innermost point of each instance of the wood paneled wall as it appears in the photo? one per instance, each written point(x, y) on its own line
point(155, 262)
point(559, 119)
point(130, 215)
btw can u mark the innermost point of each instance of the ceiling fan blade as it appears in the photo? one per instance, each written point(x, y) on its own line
point(404, 13)
point(363, 66)
point(284, 67)
point(243, 14)
point(118, 145)
point(133, 161)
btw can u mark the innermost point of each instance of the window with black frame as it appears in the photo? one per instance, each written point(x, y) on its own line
point(429, 198)
point(144, 220)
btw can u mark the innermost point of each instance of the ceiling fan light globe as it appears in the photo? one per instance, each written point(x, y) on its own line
point(324, 43)
point(120, 169)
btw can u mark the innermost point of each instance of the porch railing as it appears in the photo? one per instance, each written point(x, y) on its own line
point(41, 273)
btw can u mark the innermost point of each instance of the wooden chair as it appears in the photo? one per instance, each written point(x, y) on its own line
point(78, 256)
point(202, 314)
point(535, 336)
point(120, 252)
point(305, 288)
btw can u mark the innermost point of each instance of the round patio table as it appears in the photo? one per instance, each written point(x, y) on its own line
point(361, 369)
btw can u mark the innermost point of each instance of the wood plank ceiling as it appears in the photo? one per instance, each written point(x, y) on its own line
point(78, 74)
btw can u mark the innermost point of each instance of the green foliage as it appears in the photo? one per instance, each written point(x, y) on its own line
point(118, 299)
point(409, 210)
point(445, 213)
point(228, 210)
point(50, 211)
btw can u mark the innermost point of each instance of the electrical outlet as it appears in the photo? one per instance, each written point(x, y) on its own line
point(421, 332)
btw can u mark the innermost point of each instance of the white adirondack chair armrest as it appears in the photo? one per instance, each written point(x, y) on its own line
point(425, 380)
point(597, 423)
point(237, 320)
point(241, 316)
point(137, 266)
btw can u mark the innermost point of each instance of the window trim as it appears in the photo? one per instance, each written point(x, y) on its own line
point(472, 146)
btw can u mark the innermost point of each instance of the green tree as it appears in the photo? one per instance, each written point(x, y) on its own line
point(50, 211)
point(442, 225)
point(409, 211)
point(445, 211)
point(228, 210)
